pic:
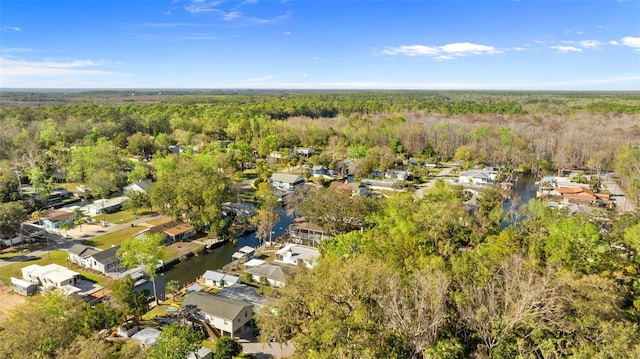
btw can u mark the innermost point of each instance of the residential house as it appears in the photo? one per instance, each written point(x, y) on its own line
point(109, 205)
point(244, 253)
point(275, 157)
point(285, 182)
point(295, 254)
point(225, 314)
point(306, 233)
point(275, 275)
point(319, 172)
point(174, 231)
point(105, 261)
point(54, 218)
point(79, 254)
point(304, 151)
point(218, 279)
point(139, 187)
point(50, 275)
point(477, 177)
point(580, 195)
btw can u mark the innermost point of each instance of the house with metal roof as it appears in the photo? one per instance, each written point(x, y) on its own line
point(110, 205)
point(275, 275)
point(105, 261)
point(140, 186)
point(79, 254)
point(218, 279)
point(285, 181)
point(295, 254)
point(225, 314)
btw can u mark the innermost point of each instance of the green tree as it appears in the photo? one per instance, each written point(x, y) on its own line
point(175, 342)
point(173, 287)
point(128, 299)
point(145, 251)
point(12, 214)
point(136, 201)
point(227, 348)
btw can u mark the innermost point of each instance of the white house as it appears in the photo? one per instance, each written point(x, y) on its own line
point(140, 186)
point(110, 205)
point(51, 275)
point(105, 261)
point(225, 314)
point(285, 182)
point(218, 279)
point(477, 177)
point(275, 275)
point(79, 254)
point(295, 254)
point(304, 151)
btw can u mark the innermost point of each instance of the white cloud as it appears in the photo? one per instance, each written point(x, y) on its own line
point(566, 48)
point(11, 28)
point(16, 50)
point(14, 67)
point(631, 41)
point(232, 15)
point(260, 79)
point(199, 6)
point(286, 33)
point(614, 43)
point(445, 52)
point(590, 44)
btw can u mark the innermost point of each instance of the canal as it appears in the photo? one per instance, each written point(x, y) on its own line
point(524, 189)
point(193, 267)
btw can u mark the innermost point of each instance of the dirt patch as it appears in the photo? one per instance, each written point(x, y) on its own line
point(8, 301)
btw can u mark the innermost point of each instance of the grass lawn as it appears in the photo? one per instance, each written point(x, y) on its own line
point(179, 249)
point(124, 216)
point(159, 220)
point(161, 309)
point(13, 269)
point(114, 238)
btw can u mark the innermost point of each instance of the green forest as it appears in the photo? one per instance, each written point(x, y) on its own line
point(402, 276)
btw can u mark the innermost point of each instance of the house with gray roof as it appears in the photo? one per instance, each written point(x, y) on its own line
point(273, 274)
point(80, 253)
point(225, 314)
point(218, 279)
point(140, 186)
point(285, 181)
point(105, 261)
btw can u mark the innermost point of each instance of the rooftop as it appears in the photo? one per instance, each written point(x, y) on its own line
point(107, 256)
point(270, 271)
point(216, 305)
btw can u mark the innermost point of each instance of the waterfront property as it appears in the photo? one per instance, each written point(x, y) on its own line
point(295, 254)
point(285, 182)
point(79, 254)
point(218, 279)
point(225, 314)
point(174, 231)
point(274, 275)
point(103, 261)
point(477, 177)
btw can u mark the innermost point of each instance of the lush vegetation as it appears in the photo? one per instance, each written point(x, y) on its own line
point(402, 277)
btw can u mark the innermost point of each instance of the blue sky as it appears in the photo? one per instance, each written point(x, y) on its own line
point(321, 44)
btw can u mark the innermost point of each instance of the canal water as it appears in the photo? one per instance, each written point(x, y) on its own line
point(193, 267)
point(524, 189)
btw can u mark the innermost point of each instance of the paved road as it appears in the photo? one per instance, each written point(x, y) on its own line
point(74, 236)
point(622, 203)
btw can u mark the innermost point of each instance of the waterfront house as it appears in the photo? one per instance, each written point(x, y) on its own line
point(105, 261)
point(174, 231)
point(295, 254)
point(218, 279)
point(285, 182)
point(274, 275)
point(224, 314)
point(580, 195)
point(477, 177)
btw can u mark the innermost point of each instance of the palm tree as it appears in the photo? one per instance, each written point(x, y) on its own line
point(173, 286)
point(65, 226)
point(78, 217)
